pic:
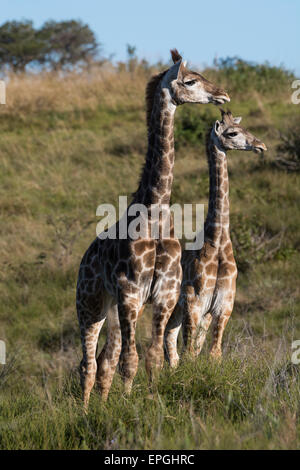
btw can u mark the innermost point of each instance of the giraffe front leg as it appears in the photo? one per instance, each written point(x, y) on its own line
point(128, 315)
point(108, 358)
point(171, 335)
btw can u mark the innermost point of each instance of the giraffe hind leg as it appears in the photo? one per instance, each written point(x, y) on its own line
point(90, 331)
point(108, 358)
point(220, 320)
point(190, 325)
point(128, 315)
point(161, 315)
point(219, 323)
point(202, 332)
point(171, 335)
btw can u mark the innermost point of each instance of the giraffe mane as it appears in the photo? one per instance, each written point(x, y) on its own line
point(207, 144)
point(150, 93)
point(150, 96)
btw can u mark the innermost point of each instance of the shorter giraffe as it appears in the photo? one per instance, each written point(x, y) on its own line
point(209, 274)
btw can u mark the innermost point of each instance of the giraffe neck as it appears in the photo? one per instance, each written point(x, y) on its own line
point(217, 221)
point(157, 175)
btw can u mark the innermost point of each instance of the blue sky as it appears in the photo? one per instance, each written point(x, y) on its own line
point(256, 30)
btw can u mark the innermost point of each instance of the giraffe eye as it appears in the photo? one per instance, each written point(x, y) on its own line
point(232, 134)
point(190, 82)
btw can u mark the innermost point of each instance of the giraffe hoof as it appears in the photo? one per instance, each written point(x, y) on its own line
point(85, 408)
point(216, 355)
point(190, 355)
point(127, 388)
point(150, 396)
point(174, 364)
point(104, 397)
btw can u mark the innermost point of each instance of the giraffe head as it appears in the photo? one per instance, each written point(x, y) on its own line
point(187, 86)
point(232, 136)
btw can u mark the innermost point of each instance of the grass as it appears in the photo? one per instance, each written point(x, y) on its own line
point(71, 143)
point(243, 403)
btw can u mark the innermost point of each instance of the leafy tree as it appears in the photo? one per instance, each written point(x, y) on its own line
point(132, 58)
point(243, 75)
point(67, 43)
point(19, 44)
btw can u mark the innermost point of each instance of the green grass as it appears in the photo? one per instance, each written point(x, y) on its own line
point(58, 164)
point(244, 403)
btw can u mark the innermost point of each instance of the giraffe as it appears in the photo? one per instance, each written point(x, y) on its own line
point(118, 276)
point(209, 274)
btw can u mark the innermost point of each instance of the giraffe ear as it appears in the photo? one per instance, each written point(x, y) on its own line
point(217, 128)
point(175, 71)
point(237, 120)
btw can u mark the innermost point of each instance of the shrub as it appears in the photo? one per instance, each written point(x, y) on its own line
point(240, 76)
point(191, 126)
point(288, 149)
point(254, 243)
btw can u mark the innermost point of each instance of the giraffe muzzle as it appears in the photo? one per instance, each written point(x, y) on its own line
point(221, 99)
point(260, 147)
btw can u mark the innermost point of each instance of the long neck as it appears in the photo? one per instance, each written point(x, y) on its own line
point(218, 210)
point(157, 175)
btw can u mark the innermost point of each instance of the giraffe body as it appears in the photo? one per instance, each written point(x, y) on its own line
point(209, 274)
point(118, 276)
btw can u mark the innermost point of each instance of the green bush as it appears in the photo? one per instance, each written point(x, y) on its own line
point(192, 125)
point(254, 243)
point(288, 150)
point(240, 76)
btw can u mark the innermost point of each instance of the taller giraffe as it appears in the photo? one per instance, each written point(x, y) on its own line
point(118, 276)
point(209, 274)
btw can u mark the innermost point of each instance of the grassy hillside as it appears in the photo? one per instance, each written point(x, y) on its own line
point(71, 143)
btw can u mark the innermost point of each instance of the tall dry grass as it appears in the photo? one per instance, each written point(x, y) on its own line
point(49, 91)
point(114, 85)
